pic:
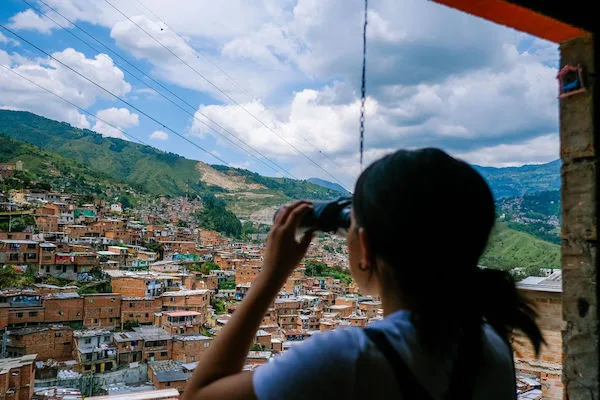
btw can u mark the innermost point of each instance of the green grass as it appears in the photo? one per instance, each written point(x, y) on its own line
point(509, 249)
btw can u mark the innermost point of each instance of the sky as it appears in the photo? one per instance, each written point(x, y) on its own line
point(274, 86)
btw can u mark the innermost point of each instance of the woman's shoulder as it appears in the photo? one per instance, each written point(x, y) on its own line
point(317, 367)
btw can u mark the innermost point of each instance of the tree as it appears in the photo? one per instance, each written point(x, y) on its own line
point(256, 347)
point(219, 305)
point(226, 285)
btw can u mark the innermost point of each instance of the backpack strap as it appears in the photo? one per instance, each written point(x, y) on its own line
point(409, 386)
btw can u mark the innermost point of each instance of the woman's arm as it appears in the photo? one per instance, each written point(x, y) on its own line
point(219, 373)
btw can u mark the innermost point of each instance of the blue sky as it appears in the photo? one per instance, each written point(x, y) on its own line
point(283, 77)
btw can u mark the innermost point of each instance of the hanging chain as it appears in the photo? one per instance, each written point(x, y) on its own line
point(363, 88)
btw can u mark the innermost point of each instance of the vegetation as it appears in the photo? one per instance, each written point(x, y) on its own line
point(11, 278)
point(226, 285)
point(509, 249)
point(17, 223)
point(204, 268)
point(519, 181)
point(219, 306)
point(320, 269)
point(215, 216)
point(256, 347)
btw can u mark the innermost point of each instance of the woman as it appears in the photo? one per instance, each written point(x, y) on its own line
point(420, 222)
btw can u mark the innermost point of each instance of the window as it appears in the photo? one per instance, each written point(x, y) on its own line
point(13, 256)
point(61, 313)
point(164, 354)
point(110, 309)
point(112, 299)
point(57, 334)
point(87, 340)
point(168, 383)
point(31, 246)
point(64, 268)
point(31, 256)
point(95, 320)
point(75, 268)
point(33, 313)
point(130, 315)
point(150, 354)
point(131, 305)
point(19, 315)
point(110, 319)
point(15, 372)
point(147, 304)
point(172, 299)
point(192, 358)
point(206, 344)
point(147, 315)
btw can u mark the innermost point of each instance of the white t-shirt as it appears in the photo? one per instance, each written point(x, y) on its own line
point(345, 363)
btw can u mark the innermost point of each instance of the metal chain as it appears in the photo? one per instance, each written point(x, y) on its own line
point(363, 88)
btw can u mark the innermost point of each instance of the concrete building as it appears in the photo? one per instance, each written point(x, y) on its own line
point(94, 350)
point(47, 341)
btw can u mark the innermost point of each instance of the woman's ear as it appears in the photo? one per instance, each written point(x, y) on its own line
point(365, 248)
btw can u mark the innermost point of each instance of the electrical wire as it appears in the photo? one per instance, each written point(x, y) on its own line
point(224, 93)
point(163, 125)
point(75, 105)
point(229, 77)
point(192, 114)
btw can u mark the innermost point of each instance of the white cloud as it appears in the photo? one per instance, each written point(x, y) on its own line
point(538, 150)
point(30, 20)
point(120, 118)
point(4, 39)
point(18, 93)
point(159, 135)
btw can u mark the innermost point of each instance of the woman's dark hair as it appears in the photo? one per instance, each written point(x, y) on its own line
point(429, 216)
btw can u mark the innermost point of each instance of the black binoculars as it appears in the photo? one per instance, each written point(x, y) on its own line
point(327, 216)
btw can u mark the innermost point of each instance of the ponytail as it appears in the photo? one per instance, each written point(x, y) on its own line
point(503, 307)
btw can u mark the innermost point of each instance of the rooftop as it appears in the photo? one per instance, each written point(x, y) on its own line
point(8, 363)
point(165, 394)
point(91, 332)
point(191, 338)
point(181, 313)
point(185, 292)
point(552, 283)
point(126, 336)
point(15, 241)
point(169, 371)
point(38, 328)
point(152, 333)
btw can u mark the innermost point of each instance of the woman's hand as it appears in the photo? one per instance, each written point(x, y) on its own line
point(283, 252)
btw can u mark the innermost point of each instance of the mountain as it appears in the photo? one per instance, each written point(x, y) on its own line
point(329, 185)
point(153, 171)
point(50, 171)
point(536, 213)
point(508, 249)
point(518, 181)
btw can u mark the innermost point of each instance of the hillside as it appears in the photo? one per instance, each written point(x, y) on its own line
point(509, 249)
point(45, 170)
point(517, 181)
point(154, 171)
point(329, 185)
point(536, 213)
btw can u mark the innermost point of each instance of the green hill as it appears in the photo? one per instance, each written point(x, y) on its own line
point(518, 181)
point(50, 171)
point(153, 171)
point(510, 249)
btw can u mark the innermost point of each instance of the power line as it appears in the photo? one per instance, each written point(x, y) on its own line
point(74, 105)
point(114, 95)
point(228, 76)
point(159, 84)
point(224, 93)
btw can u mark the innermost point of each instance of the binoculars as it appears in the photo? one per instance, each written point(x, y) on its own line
point(327, 216)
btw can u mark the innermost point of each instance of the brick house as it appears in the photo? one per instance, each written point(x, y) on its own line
point(24, 307)
point(189, 348)
point(157, 343)
point(545, 293)
point(247, 273)
point(187, 300)
point(102, 310)
point(47, 341)
point(357, 320)
point(13, 251)
point(139, 310)
point(181, 322)
point(168, 374)
point(16, 377)
point(63, 307)
point(129, 347)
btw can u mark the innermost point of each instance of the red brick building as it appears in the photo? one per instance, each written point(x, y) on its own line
point(16, 377)
point(47, 341)
point(102, 310)
point(189, 348)
point(139, 310)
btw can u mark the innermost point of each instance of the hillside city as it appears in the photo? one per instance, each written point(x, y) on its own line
point(99, 299)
